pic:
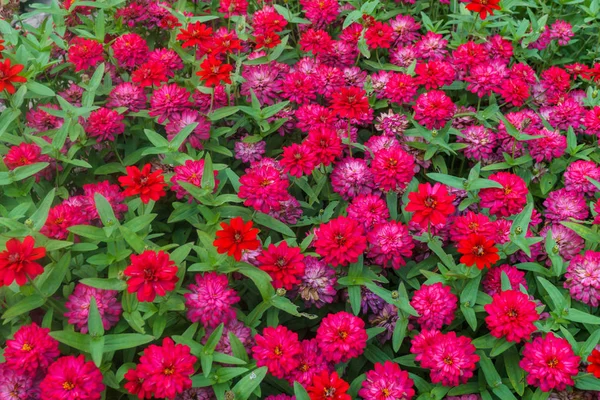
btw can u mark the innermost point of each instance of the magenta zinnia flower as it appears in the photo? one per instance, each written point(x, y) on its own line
point(317, 285)
point(31, 350)
point(236, 328)
point(127, 95)
point(79, 302)
point(72, 378)
point(550, 363)
point(351, 177)
point(16, 385)
point(387, 382)
point(436, 305)
point(263, 188)
point(392, 169)
point(341, 337)
point(340, 241)
point(563, 204)
point(211, 300)
point(312, 362)
point(433, 109)
point(492, 282)
point(576, 176)
point(278, 348)
point(508, 200)
point(511, 316)
point(451, 359)
point(169, 100)
point(368, 210)
point(389, 243)
point(583, 278)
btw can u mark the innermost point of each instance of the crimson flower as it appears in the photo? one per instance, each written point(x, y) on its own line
point(350, 102)
point(17, 262)
point(483, 7)
point(477, 250)
point(151, 273)
point(594, 360)
point(328, 386)
point(284, 265)
point(1, 46)
point(196, 34)
point(150, 186)
point(268, 40)
point(213, 71)
point(152, 73)
point(235, 237)
point(430, 204)
point(9, 75)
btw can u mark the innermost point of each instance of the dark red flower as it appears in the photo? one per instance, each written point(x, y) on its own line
point(17, 262)
point(350, 102)
point(284, 265)
point(149, 185)
point(477, 250)
point(196, 34)
point(9, 74)
point(328, 386)
point(227, 43)
point(151, 273)
point(483, 7)
point(213, 71)
point(380, 35)
point(268, 40)
point(430, 204)
point(236, 237)
point(152, 73)
point(594, 360)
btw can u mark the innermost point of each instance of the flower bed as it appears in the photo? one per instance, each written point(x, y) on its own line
point(309, 200)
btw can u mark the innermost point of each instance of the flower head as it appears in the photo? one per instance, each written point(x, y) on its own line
point(31, 349)
point(328, 386)
point(492, 282)
point(583, 278)
point(213, 71)
point(85, 53)
point(18, 261)
point(9, 74)
point(478, 250)
point(451, 359)
point(284, 265)
point(511, 315)
point(594, 363)
point(79, 302)
point(341, 337)
point(550, 363)
point(317, 285)
point(278, 349)
point(211, 300)
point(430, 205)
point(340, 241)
point(392, 169)
point(72, 378)
point(508, 200)
point(387, 382)
point(350, 102)
point(436, 305)
point(235, 237)
point(151, 273)
point(389, 243)
point(483, 7)
point(149, 185)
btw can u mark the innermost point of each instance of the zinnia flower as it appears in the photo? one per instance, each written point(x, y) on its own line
point(387, 382)
point(72, 378)
point(9, 74)
point(149, 185)
point(451, 359)
point(235, 237)
point(492, 282)
point(165, 370)
point(213, 71)
point(350, 102)
point(211, 300)
point(430, 205)
point(277, 348)
point(340, 241)
point(389, 243)
point(328, 386)
point(550, 363)
point(583, 278)
point(196, 34)
point(15, 385)
point(341, 337)
point(505, 201)
point(317, 286)
point(435, 304)
point(284, 265)
point(31, 350)
point(79, 302)
point(85, 53)
point(17, 262)
point(594, 366)
point(511, 315)
point(312, 362)
point(104, 124)
point(478, 250)
point(151, 273)
point(483, 7)
point(392, 169)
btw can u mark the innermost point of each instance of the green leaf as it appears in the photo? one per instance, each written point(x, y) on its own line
point(132, 239)
point(38, 88)
point(587, 382)
point(503, 392)
point(272, 223)
point(261, 279)
point(56, 276)
point(489, 371)
point(449, 180)
point(244, 388)
point(124, 341)
point(579, 316)
point(26, 171)
point(556, 296)
point(94, 319)
point(213, 340)
point(178, 140)
point(27, 304)
point(355, 298)
point(75, 340)
point(516, 375)
point(208, 176)
point(585, 232)
point(222, 113)
point(300, 392)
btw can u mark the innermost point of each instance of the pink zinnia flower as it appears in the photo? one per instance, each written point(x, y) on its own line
point(60, 218)
point(341, 337)
point(177, 122)
point(130, 50)
point(79, 302)
point(511, 316)
point(464, 225)
point(264, 80)
point(583, 278)
point(392, 168)
point(15, 385)
point(166, 370)
point(42, 121)
point(284, 265)
point(111, 192)
point(104, 124)
point(340, 241)
point(387, 382)
point(127, 95)
point(351, 177)
point(562, 31)
point(481, 142)
point(312, 362)
point(167, 57)
point(211, 300)
point(325, 143)
point(169, 100)
point(278, 348)
point(263, 188)
point(507, 201)
point(486, 78)
point(423, 341)
point(492, 282)
point(298, 159)
point(389, 243)
point(436, 305)
point(249, 152)
point(191, 172)
point(576, 176)
point(451, 359)
point(237, 329)
point(563, 204)
point(550, 363)
point(31, 349)
point(368, 210)
point(433, 109)
point(72, 378)
point(400, 88)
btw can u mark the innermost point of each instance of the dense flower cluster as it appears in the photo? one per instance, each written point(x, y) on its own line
point(315, 199)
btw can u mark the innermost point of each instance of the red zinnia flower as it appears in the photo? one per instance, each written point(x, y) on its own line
point(380, 35)
point(278, 348)
point(340, 241)
point(151, 273)
point(150, 186)
point(152, 73)
point(483, 7)
point(268, 40)
point(328, 386)
point(284, 265)
point(196, 34)
point(511, 315)
point(594, 360)
point(236, 237)
point(1, 46)
point(430, 204)
point(17, 261)
point(350, 102)
point(477, 250)
point(9, 75)
point(214, 71)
